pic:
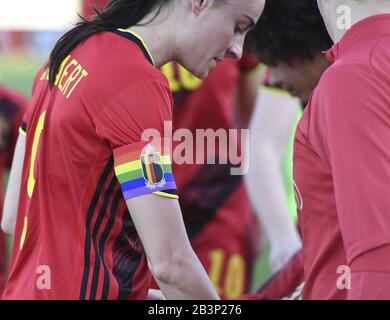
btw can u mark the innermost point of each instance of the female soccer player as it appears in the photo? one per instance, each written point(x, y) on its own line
point(12, 107)
point(88, 163)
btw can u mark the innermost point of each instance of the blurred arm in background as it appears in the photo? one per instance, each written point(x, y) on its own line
point(13, 190)
point(271, 130)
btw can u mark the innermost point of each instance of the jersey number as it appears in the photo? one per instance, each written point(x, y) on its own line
point(31, 178)
point(234, 281)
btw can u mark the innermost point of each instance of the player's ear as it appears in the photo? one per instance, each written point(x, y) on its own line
point(197, 6)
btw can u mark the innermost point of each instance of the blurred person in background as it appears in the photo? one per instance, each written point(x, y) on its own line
point(12, 108)
point(289, 38)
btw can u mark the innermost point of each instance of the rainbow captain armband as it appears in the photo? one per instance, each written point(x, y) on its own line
point(145, 167)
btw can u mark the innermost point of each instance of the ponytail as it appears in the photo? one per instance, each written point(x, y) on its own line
point(118, 14)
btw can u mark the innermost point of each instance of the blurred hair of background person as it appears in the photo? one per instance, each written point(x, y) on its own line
point(290, 39)
point(12, 107)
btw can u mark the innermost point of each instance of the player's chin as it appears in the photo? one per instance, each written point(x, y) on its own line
point(202, 73)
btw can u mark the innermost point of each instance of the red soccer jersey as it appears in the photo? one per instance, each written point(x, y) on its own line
point(74, 236)
point(342, 172)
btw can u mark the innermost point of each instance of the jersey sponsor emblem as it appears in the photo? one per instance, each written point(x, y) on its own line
point(298, 197)
point(152, 168)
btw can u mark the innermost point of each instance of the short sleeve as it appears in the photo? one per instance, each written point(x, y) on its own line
point(27, 112)
point(137, 124)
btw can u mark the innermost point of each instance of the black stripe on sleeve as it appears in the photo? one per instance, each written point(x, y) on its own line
point(90, 213)
point(99, 254)
point(106, 232)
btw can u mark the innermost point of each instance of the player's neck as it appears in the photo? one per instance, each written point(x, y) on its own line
point(158, 33)
point(157, 42)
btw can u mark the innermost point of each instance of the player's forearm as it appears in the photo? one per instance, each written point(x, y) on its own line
point(248, 92)
point(155, 294)
point(267, 194)
point(186, 279)
point(13, 190)
point(271, 129)
point(171, 259)
point(283, 284)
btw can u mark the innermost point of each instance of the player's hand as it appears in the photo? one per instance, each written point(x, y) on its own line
point(282, 251)
point(155, 294)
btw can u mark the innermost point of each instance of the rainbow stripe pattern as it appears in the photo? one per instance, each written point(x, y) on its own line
point(142, 168)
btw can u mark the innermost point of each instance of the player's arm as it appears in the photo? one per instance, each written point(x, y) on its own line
point(13, 189)
point(283, 284)
point(144, 169)
point(155, 294)
point(171, 259)
point(355, 139)
point(271, 128)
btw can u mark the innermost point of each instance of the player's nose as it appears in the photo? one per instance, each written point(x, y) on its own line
point(234, 52)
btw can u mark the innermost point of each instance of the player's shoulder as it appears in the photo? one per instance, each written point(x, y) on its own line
point(380, 47)
point(115, 65)
point(359, 66)
point(379, 57)
point(124, 59)
point(119, 55)
point(343, 78)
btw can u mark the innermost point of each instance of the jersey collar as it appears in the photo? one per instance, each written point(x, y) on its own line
point(369, 28)
point(134, 37)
